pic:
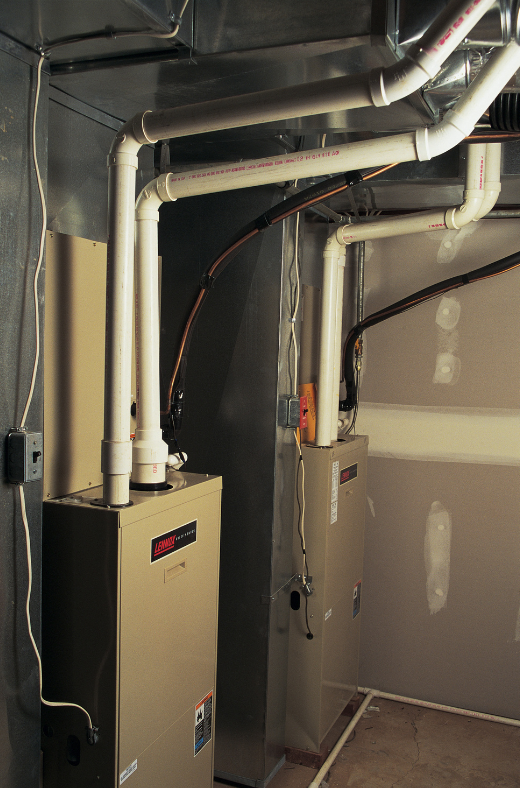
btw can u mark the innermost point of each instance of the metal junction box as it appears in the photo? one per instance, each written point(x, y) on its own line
point(129, 633)
point(323, 672)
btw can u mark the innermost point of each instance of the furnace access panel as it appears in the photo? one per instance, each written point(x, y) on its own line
point(129, 630)
point(323, 672)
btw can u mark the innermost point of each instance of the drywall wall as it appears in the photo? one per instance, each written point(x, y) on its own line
point(440, 401)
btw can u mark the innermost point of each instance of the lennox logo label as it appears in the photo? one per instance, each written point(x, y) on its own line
point(347, 474)
point(168, 543)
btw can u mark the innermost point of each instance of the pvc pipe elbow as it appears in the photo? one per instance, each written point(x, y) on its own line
point(132, 135)
point(335, 245)
point(398, 81)
point(467, 212)
point(488, 203)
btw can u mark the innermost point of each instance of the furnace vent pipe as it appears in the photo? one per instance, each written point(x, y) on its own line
point(378, 87)
point(149, 451)
point(116, 455)
point(481, 192)
point(333, 261)
point(482, 187)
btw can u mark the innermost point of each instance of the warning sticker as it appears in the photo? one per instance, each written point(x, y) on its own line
point(203, 722)
point(334, 493)
point(357, 599)
point(127, 772)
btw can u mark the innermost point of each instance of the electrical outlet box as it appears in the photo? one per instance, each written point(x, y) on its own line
point(289, 412)
point(24, 456)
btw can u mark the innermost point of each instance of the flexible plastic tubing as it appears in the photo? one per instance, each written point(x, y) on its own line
point(479, 274)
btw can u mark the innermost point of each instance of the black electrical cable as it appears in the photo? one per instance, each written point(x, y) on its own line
point(298, 202)
point(421, 296)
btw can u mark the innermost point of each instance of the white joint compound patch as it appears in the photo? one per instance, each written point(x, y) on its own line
point(447, 369)
point(451, 241)
point(437, 547)
point(448, 313)
point(371, 506)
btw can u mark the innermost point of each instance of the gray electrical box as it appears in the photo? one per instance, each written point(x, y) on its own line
point(323, 671)
point(25, 456)
point(129, 614)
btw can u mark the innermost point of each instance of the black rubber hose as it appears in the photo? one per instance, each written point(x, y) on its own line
point(485, 272)
point(313, 194)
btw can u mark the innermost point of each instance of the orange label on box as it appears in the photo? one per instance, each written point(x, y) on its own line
point(308, 431)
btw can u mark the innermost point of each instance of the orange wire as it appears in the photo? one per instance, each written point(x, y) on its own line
point(238, 243)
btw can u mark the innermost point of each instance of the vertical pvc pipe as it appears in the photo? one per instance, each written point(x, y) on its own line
point(361, 281)
point(492, 183)
point(336, 370)
point(149, 452)
point(116, 446)
point(326, 348)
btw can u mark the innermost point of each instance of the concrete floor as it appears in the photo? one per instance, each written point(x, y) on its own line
point(402, 746)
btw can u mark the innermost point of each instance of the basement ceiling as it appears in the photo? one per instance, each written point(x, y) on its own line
point(225, 48)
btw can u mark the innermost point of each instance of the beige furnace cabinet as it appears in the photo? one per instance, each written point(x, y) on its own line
point(323, 672)
point(129, 629)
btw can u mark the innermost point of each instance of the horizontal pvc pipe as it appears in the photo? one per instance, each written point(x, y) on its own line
point(377, 88)
point(439, 707)
point(341, 741)
point(409, 146)
point(425, 221)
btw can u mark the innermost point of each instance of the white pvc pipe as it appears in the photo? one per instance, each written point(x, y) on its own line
point(440, 707)
point(116, 459)
point(460, 121)
point(421, 145)
point(341, 741)
point(376, 88)
point(418, 145)
point(149, 451)
point(336, 357)
point(325, 387)
point(440, 219)
point(492, 183)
